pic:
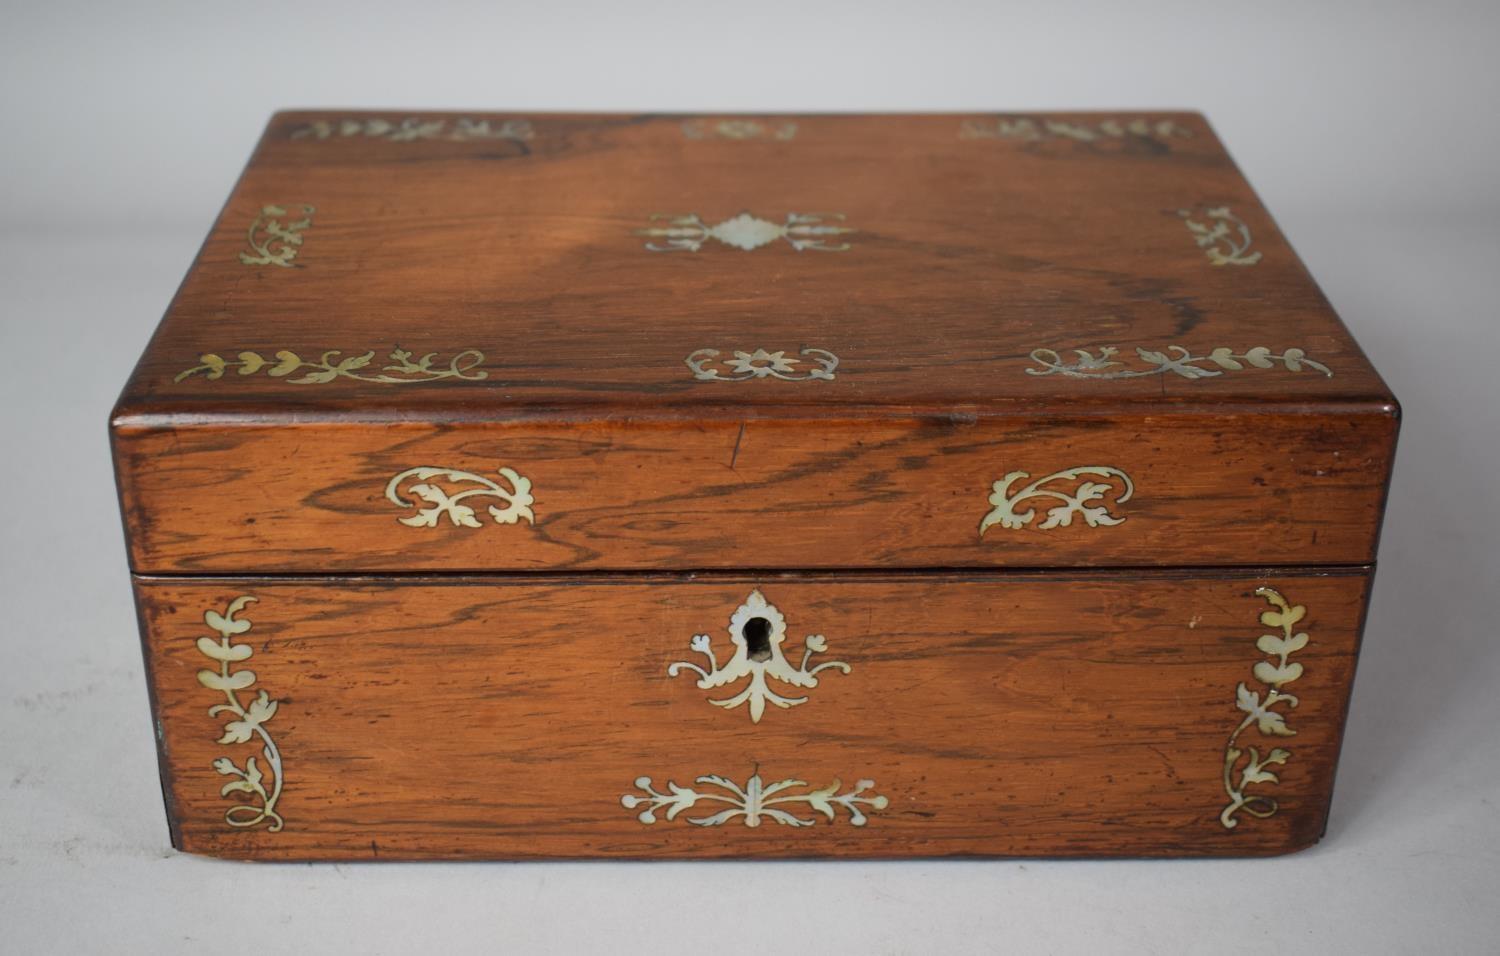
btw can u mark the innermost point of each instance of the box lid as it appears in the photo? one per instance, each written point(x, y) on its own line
point(472, 342)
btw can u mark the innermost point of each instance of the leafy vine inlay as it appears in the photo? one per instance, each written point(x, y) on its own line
point(249, 721)
point(1181, 362)
point(1075, 502)
point(412, 129)
point(401, 370)
point(757, 630)
point(1224, 238)
point(1274, 674)
point(1027, 129)
point(272, 242)
point(756, 801)
point(760, 364)
point(802, 230)
point(518, 500)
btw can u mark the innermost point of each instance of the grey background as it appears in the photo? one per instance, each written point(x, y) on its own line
point(1370, 130)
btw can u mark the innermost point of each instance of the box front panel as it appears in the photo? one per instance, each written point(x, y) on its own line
point(861, 716)
point(1102, 490)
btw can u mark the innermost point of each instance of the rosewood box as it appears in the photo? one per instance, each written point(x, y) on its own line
point(504, 486)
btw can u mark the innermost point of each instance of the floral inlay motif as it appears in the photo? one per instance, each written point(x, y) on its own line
point(803, 231)
point(1030, 130)
point(449, 504)
point(744, 366)
point(738, 128)
point(274, 242)
point(1224, 237)
point(1275, 674)
point(248, 720)
point(755, 802)
point(412, 129)
point(403, 368)
point(1078, 501)
point(1181, 362)
point(757, 630)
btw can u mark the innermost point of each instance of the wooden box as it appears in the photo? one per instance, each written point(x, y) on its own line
point(507, 486)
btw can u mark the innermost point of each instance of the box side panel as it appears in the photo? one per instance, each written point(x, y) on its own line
point(1095, 714)
point(1247, 488)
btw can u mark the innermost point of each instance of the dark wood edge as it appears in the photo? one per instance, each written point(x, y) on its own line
point(163, 764)
point(721, 576)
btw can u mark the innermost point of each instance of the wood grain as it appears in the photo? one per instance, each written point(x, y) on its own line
point(1001, 714)
point(494, 691)
point(968, 254)
point(1229, 489)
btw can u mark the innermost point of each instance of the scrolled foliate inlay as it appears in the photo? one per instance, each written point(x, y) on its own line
point(248, 719)
point(448, 502)
point(756, 802)
point(756, 631)
point(803, 231)
point(273, 240)
point(1176, 360)
point(1074, 497)
point(707, 366)
point(1262, 713)
point(1223, 236)
point(402, 367)
point(413, 129)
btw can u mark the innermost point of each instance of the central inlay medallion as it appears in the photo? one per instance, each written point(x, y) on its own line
point(803, 230)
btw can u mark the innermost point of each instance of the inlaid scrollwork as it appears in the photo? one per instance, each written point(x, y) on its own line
point(273, 241)
point(1028, 129)
point(402, 368)
point(1180, 361)
point(738, 128)
point(757, 631)
point(444, 502)
point(411, 129)
point(1262, 713)
point(802, 231)
point(248, 720)
point(1223, 237)
point(746, 366)
point(1073, 497)
point(756, 802)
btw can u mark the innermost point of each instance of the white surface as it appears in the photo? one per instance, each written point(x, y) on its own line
point(1370, 131)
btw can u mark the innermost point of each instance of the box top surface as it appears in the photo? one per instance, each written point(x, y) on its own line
point(491, 267)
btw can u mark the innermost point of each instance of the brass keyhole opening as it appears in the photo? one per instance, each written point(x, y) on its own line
point(757, 633)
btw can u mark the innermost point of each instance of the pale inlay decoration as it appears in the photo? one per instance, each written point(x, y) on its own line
point(1175, 360)
point(804, 231)
point(738, 128)
point(273, 240)
point(1223, 236)
point(756, 632)
point(755, 802)
point(1262, 713)
point(1074, 496)
point(1030, 130)
point(413, 129)
point(247, 719)
point(707, 366)
point(446, 489)
point(402, 367)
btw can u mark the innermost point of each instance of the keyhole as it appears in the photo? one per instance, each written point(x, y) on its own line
point(757, 633)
